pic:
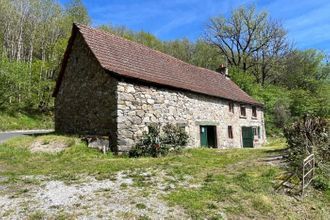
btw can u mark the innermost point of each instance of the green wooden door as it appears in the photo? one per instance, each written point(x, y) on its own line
point(203, 132)
point(247, 136)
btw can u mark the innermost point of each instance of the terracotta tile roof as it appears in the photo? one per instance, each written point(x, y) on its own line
point(133, 60)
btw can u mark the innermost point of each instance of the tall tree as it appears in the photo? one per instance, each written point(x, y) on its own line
point(249, 40)
point(33, 38)
point(302, 69)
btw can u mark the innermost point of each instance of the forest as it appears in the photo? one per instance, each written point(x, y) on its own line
point(262, 60)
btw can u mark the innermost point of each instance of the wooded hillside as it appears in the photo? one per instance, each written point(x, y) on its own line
point(262, 60)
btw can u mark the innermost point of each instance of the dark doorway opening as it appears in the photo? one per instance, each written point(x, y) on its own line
point(247, 136)
point(208, 136)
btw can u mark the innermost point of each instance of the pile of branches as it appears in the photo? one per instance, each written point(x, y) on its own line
point(306, 136)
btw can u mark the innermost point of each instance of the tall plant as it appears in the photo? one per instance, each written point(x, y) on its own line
point(157, 142)
point(308, 135)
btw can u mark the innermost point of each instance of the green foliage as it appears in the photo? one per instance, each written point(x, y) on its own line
point(206, 56)
point(25, 121)
point(77, 12)
point(149, 144)
point(174, 136)
point(154, 143)
point(276, 100)
point(245, 81)
point(283, 105)
point(322, 182)
point(22, 88)
point(303, 69)
point(33, 39)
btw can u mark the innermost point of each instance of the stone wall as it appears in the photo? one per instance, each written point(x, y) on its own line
point(86, 102)
point(140, 105)
point(92, 102)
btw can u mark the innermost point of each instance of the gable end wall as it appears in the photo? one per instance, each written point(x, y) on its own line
point(86, 101)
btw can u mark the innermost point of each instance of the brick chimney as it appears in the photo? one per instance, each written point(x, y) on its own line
point(223, 70)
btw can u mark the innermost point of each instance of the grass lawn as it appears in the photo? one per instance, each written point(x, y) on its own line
point(20, 121)
point(235, 183)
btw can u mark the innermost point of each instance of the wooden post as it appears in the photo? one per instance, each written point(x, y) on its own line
point(308, 171)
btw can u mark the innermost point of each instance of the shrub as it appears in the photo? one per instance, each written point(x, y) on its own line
point(154, 143)
point(308, 135)
point(174, 136)
point(321, 183)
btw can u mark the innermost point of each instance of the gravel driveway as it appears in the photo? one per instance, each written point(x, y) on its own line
point(118, 197)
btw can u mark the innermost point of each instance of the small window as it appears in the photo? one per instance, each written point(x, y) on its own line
point(231, 106)
point(254, 131)
point(243, 111)
point(254, 111)
point(230, 132)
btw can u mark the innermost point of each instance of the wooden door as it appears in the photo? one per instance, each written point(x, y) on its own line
point(247, 136)
point(203, 135)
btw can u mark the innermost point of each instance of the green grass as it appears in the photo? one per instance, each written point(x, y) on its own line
point(20, 121)
point(16, 159)
point(233, 183)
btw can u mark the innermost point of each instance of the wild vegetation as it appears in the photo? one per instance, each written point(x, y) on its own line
point(26, 121)
point(310, 135)
point(33, 39)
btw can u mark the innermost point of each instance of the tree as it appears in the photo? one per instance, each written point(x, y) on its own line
point(77, 12)
point(205, 55)
point(303, 69)
point(33, 38)
point(249, 40)
point(181, 49)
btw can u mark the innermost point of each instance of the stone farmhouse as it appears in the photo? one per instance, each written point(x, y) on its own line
point(113, 87)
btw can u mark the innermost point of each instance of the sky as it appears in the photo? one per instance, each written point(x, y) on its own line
point(307, 21)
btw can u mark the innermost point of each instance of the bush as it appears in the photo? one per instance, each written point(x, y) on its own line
point(321, 183)
point(308, 135)
point(174, 136)
point(155, 144)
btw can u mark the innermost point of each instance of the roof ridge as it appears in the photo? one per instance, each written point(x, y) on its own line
point(131, 59)
point(146, 47)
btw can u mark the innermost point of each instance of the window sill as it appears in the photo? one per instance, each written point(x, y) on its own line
point(241, 116)
point(254, 118)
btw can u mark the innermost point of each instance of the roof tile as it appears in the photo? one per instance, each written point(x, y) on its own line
point(130, 59)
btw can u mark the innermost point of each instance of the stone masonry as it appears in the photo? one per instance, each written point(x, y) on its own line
point(86, 102)
point(140, 105)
